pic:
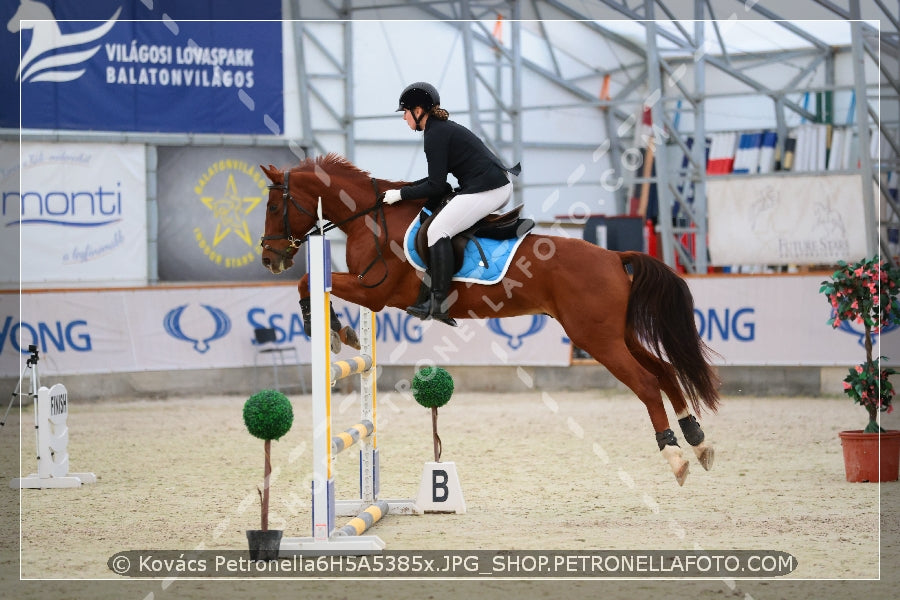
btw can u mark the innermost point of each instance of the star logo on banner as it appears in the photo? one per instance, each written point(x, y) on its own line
point(231, 211)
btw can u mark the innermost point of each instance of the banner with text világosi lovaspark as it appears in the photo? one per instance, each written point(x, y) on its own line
point(80, 215)
point(132, 65)
point(212, 212)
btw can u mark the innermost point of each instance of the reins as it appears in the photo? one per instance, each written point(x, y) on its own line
point(294, 244)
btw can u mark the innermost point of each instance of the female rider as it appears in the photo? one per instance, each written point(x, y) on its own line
point(484, 186)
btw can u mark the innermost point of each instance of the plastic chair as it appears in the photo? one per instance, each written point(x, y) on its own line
point(267, 346)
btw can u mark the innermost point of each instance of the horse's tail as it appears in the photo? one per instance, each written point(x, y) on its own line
point(661, 314)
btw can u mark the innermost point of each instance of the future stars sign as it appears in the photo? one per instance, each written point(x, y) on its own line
point(211, 212)
point(230, 210)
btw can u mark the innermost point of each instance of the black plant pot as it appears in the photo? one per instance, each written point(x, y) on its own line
point(264, 545)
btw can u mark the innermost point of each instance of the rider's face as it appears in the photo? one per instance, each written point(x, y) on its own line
point(410, 116)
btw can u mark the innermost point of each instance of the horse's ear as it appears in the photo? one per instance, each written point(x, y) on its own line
point(270, 171)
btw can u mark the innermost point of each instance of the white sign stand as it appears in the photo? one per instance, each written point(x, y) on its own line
point(51, 411)
point(439, 489)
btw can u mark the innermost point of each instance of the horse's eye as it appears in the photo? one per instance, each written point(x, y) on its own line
point(272, 208)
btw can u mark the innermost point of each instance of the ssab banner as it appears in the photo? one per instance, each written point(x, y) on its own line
point(179, 328)
point(92, 66)
point(745, 320)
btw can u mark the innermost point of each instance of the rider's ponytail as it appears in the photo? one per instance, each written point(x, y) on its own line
point(439, 113)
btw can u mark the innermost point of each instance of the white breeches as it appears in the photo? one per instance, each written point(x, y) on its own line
point(464, 210)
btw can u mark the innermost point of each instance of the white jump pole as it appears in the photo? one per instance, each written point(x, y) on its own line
point(326, 539)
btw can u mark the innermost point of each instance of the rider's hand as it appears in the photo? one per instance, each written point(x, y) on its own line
point(391, 196)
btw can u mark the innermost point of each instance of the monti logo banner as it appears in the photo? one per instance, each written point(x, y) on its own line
point(212, 212)
point(114, 65)
point(80, 215)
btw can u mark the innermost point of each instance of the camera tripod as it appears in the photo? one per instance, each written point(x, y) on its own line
point(31, 368)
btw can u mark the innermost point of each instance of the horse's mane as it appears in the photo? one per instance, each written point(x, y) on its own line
point(330, 163)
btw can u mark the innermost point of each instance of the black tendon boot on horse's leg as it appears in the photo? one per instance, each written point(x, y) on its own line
point(339, 332)
point(694, 436)
point(440, 272)
point(668, 445)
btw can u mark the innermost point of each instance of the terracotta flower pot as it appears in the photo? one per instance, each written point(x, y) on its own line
point(861, 455)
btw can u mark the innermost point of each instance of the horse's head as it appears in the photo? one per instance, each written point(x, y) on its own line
point(349, 199)
point(290, 215)
point(29, 11)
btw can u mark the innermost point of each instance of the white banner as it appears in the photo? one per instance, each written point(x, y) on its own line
point(747, 320)
point(80, 331)
point(9, 212)
point(81, 212)
point(807, 220)
point(777, 320)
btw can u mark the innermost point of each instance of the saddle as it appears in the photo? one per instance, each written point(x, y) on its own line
point(501, 226)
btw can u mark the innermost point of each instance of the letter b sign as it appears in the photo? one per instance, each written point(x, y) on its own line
point(439, 489)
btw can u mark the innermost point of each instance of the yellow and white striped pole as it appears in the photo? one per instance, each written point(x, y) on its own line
point(318, 262)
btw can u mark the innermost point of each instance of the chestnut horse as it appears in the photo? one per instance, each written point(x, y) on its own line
point(639, 326)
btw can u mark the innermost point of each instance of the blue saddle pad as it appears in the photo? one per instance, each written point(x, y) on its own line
point(499, 255)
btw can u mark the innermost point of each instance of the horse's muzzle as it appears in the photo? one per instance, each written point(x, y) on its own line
point(277, 266)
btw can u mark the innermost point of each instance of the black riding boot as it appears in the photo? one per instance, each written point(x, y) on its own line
point(441, 272)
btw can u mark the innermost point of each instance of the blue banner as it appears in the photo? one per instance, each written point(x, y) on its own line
point(114, 65)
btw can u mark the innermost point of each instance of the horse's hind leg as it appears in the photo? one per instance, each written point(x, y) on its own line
point(695, 437)
point(614, 355)
point(665, 374)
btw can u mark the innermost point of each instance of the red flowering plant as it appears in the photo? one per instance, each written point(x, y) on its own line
point(866, 293)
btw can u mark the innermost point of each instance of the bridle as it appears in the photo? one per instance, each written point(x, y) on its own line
point(294, 243)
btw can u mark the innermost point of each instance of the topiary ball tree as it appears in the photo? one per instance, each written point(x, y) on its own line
point(432, 388)
point(268, 415)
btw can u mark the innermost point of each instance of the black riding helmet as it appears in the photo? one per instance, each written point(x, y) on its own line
point(421, 94)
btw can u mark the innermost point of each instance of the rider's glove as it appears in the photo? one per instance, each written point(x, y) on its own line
point(391, 196)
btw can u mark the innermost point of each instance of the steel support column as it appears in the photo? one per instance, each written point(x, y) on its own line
point(862, 126)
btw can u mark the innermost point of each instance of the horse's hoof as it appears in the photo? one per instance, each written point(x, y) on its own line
point(680, 467)
point(705, 454)
point(682, 473)
point(335, 342)
point(348, 335)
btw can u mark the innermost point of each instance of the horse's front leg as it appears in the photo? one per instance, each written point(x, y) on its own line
point(348, 287)
point(340, 334)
